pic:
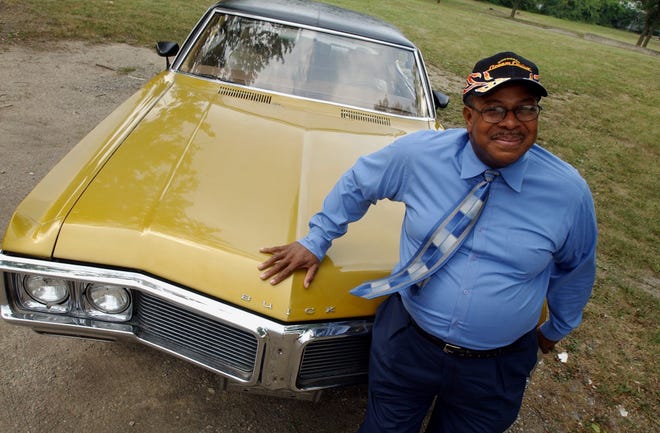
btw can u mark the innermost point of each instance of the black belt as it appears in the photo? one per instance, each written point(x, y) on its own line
point(463, 352)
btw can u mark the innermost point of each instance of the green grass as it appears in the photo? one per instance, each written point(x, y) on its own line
point(603, 116)
point(137, 22)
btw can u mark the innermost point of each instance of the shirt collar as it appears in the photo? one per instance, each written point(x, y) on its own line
point(513, 174)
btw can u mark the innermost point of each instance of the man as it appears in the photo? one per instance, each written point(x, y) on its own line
point(466, 334)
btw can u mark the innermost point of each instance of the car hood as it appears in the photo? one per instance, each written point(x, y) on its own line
point(211, 174)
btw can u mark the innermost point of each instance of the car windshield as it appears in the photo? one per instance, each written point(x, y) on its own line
point(308, 63)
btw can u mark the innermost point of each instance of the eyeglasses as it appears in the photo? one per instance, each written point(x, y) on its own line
point(523, 113)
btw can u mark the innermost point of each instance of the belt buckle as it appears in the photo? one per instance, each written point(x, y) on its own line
point(453, 349)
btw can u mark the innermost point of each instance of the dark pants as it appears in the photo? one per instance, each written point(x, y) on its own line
point(407, 371)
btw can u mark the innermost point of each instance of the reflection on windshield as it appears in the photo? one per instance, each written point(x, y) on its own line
point(308, 63)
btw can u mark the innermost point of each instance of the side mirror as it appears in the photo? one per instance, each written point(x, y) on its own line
point(440, 99)
point(167, 49)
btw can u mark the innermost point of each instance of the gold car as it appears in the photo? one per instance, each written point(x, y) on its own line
point(150, 228)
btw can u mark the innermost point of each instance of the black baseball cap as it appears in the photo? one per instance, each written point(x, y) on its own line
point(504, 67)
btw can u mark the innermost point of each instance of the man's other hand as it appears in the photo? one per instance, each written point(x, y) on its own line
point(545, 344)
point(286, 259)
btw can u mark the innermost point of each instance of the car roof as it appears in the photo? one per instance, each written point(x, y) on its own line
point(320, 15)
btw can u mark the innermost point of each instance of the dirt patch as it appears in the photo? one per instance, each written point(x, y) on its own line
point(51, 96)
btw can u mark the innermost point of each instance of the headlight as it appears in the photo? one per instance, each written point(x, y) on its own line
point(108, 298)
point(77, 299)
point(46, 290)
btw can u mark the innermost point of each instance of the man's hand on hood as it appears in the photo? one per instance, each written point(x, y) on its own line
point(286, 259)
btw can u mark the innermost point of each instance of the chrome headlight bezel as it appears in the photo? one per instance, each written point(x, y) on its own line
point(30, 297)
point(71, 297)
point(107, 301)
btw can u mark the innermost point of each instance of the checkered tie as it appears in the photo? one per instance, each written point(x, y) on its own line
point(439, 246)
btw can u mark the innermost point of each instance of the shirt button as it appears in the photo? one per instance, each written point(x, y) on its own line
point(466, 292)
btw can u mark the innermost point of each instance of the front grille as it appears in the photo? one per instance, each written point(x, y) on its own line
point(211, 343)
point(336, 361)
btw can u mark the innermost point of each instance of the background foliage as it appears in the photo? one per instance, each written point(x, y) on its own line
point(613, 13)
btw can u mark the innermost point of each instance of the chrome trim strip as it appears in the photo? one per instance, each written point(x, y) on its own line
point(428, 86)
point(190, 39)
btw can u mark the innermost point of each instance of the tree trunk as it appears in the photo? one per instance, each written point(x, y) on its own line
point(650, 23)
point(514, 8)
point(642, 36)
point(646, 40)
point(646, 31)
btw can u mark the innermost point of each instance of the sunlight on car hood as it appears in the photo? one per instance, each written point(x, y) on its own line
point(207, 178)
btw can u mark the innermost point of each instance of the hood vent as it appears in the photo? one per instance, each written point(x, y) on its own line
point(365, 117)
point(244, 94)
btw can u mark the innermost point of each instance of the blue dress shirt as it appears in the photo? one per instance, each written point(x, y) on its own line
point(535, 239)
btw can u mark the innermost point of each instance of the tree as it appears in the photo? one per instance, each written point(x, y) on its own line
point(651, 10)
point(514, 8)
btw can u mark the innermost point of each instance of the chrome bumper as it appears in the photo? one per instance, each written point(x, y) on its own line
point(252, 352)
